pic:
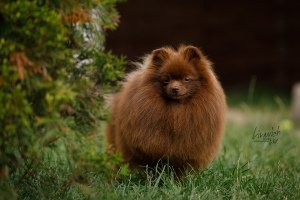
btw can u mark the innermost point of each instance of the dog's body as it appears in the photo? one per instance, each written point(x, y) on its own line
point(172, 108)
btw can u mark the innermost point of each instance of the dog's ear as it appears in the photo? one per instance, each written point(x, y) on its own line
point(192, 54)
point(159, 56)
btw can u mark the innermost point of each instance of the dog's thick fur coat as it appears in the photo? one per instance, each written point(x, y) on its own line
point(172, 108)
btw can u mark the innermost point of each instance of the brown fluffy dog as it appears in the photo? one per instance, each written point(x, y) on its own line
point(172, 108)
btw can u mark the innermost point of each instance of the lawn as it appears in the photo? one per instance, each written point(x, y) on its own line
point(246, 167)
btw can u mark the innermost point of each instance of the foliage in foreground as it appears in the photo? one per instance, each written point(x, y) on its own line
point(244, 169)
point(53, 71)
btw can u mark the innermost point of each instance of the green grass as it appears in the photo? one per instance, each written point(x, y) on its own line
point(244, 169)
point(259, 97)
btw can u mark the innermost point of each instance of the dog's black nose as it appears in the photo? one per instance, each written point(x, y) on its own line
point(175, 89)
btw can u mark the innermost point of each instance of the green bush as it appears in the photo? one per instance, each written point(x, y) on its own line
point(54, 71)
